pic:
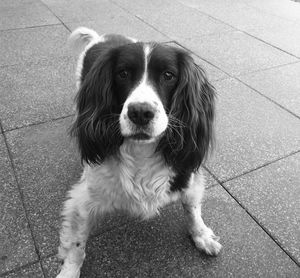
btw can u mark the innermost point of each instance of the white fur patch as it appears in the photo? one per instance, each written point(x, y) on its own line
point(145, 93)
point(138, 183)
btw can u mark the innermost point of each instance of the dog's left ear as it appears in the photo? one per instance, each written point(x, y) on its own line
point(192, 109)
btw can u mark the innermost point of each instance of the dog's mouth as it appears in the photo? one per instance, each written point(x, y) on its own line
point(140, 136)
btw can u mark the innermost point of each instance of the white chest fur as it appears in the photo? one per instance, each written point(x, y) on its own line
point(138, 181)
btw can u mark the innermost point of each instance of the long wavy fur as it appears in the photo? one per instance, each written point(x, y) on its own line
point(190, 134)
point(96, 126)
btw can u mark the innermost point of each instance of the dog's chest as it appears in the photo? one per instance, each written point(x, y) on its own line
point(138, 182)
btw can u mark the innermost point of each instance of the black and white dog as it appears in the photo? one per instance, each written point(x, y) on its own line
point(144, 125)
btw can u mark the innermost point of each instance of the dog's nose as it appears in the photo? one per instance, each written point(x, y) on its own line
point(140, 113)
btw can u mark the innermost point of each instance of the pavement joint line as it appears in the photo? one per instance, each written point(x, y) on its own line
point(268, 98)
point(237, 77)
point(19, 268)
point(270, 44)
point(245, 32)
point(252, 170)
point(268, 68)
point(21, 196)
point(49, 9)
point(139, 18)
point(30, 27)
point(37, 123)
point(255, 219)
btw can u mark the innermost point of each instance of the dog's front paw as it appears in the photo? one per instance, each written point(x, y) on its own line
point(69, 272)
point(208, 242)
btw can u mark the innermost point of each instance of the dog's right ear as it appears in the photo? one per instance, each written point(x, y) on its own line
point(96, 126)
point(81, 37)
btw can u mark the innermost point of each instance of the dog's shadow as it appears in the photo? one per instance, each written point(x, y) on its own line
point(159, 247)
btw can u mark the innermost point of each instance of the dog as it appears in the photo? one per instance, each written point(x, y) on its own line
point(144, 126)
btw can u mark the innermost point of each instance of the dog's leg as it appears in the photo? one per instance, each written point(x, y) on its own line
point(77, 220)
point(202, 235)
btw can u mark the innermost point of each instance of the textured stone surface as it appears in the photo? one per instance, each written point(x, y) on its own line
point(236, 52)
point(81, 11)
point(212, 72)
point(284, 35)
point(239, 14)
point(28, 14)
point(32, 271)
point(46, 164)
point(271, 195)
point(178, 21)
point(250, 131)
point(35, 93)
point(161, 247)
point(121, 23)
point(16, 244)
point(33, 44)
point(281, 84)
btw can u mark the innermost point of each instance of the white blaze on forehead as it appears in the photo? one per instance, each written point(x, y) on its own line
point(145, 92)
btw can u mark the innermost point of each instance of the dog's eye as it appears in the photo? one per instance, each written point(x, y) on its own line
point(168, 76)
point(123, 74)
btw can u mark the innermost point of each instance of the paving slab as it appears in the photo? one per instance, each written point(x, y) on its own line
point(271, 195)
point(121, 23)
point(33, 44)
point(236, 52)
point(238, 14)
point(46, 164)
point(179, 21)
point(288, 9)
point(80, 10)
point(27, 14)
point(161, 247)
point(17, 246)
point(212, 72)
point(250, 131)
point(32, 271)
point(37, 92)
point(281, 84)
point(284, 35)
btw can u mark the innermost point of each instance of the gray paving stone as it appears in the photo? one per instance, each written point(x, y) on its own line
point(32, 271)
point(28, 14)
point(178, 21)
point(161, 247)
point(33, 44)
point(284, 35)
point(80, 10)
point(46, 164)
point(271, 195)
point(212, 72)
point(16, 244)
point(237, 53)
point(281, 84)
point(250, 131)
point(121, 23)
point(37, 92)
point(239, 14)
point(289, 10)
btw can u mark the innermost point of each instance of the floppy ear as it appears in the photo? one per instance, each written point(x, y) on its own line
point(192, 115)
point(96, 126)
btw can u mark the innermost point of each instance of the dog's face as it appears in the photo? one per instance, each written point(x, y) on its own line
point(145, 92)
point(145, 77)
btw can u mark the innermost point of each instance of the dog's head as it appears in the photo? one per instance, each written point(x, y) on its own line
point(145, 92)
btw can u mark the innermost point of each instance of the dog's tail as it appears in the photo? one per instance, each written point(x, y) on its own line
point(81, 37)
